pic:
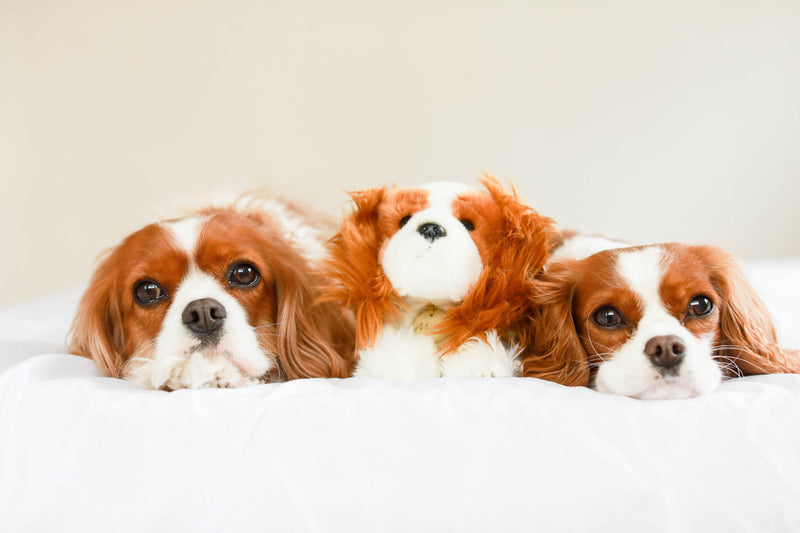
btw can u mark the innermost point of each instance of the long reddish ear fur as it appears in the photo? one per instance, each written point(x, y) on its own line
point(315, 339)
point(554, 352)
point(498, 300)
point(747, 334)
point(354, 262)
point(96, 331)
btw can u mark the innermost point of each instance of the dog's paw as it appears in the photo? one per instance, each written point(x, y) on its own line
point(194, 372)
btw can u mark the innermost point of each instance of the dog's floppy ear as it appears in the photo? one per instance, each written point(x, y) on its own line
point(747, 335)
point(315, 339)
point(354, 264)
point(517, 250)
point(96, 330)
point(553, 351)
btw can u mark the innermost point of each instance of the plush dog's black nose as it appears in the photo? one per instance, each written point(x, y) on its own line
point(665, 351)
point(204, 317)
point(431, 231)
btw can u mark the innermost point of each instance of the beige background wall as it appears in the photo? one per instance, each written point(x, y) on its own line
point(652, 121)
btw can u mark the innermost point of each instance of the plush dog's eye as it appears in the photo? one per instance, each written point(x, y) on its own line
point(243, 275)
point(148, 292)
point(700, 305)
point(467, 224)
point(608, 317)
point(404, 220)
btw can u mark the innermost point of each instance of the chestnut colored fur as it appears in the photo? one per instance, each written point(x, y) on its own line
point(307, 339)
point(745, 341)
point(512, 240)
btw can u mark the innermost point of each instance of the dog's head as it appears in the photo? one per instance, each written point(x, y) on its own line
point(651, 322)
point(468, 250)
point(222, 285)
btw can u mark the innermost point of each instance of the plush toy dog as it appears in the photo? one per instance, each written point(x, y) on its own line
point(436, 275)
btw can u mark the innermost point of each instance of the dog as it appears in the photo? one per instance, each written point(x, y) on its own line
point(222, 297)
point(660, 321)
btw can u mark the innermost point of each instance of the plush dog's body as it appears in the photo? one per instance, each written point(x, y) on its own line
point(436, 276)
point(651, 322)
point(219, 298)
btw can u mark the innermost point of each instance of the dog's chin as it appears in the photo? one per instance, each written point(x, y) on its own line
point(668, 388)
point(660, 388)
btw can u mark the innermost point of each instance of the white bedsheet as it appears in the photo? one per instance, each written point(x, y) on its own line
point(79, 452)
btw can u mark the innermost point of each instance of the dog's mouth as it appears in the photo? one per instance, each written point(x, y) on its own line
point(219, 350)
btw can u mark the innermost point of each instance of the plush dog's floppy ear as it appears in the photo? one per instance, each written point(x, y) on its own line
point(354, 263)
point(96, 331)
point(747, 334)
point(518, 250)
point(554, 352)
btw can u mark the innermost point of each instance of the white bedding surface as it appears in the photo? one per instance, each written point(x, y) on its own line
point(79, 452)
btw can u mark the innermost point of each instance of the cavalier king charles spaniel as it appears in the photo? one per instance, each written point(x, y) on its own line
point(436, 275)
point(651, 322)
point(224, 297)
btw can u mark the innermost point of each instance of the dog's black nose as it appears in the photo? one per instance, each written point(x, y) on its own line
point(665, 351)
point(204, 317)
point(431, 231)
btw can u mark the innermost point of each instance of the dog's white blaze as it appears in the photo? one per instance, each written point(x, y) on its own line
point(185, 233)
point(643, 270)
point(629, 371)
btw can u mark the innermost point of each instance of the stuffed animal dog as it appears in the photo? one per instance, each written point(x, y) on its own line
point(436, 275)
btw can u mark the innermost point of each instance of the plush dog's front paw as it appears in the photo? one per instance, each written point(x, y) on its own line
point(399, 355)
point(477, 358)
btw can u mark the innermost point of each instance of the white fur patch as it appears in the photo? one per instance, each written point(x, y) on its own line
point(402, 355)
point(185, 232)
point(443, 270)
point(629, 372)
point(476, 358)
point(399, 355)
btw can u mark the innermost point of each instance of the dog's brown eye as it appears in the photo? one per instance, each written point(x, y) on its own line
point(700, 305)
point(404, 220)
point(467, 224)
point(148, 292)
point(608, 317)
point(243, 275)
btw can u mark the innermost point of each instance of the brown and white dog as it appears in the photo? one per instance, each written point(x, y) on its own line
point(223, 297)
point(651, 322)
point(436, 275)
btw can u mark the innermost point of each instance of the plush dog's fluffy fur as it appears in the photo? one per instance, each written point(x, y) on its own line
point(436, 275)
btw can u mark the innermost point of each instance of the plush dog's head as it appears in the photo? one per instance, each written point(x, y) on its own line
point(466, 249)
point(224, 287)
point(651, 322)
